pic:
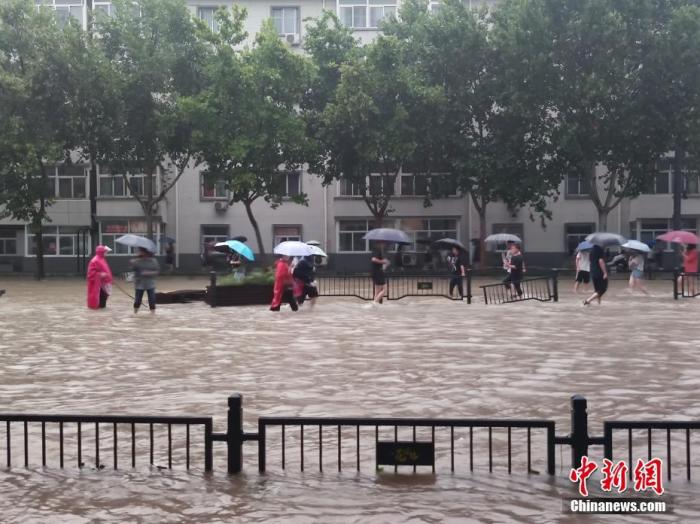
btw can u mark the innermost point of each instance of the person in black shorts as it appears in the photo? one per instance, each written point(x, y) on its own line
point(304, 276)
point(454, 259)
point(599, 275)
point(516, 264)
point(378, 276)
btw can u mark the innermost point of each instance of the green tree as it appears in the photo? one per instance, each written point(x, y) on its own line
point(33, 109)
point(599, 52)
point(249, 129)
point(154, 50)
point(492, 131)
point(371, 126)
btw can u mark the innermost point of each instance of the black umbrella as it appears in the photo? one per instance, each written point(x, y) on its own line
point(449, 243)
point(387, 234)
point(605, 239)
point(240, 238)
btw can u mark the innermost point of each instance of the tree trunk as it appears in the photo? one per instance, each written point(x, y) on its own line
point(256, 228)
point(482, 237)
point(94, 230)
point(39, 238)
point(603, 219)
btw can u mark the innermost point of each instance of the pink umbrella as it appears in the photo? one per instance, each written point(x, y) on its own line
point(680, 237)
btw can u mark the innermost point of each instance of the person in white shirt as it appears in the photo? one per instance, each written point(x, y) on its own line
point(583, 270)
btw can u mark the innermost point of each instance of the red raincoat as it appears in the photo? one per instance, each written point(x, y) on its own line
point(99, 275)
point(283, 280)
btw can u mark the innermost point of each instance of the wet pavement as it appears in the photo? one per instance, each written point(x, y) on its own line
point(634, 357)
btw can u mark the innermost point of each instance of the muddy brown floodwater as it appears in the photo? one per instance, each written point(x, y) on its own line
point(634, 357)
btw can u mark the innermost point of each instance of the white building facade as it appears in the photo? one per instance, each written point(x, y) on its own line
point(195, 213)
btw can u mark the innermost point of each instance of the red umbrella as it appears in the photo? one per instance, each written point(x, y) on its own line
point(680, 237)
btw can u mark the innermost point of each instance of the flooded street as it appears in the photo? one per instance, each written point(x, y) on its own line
point(634, 357)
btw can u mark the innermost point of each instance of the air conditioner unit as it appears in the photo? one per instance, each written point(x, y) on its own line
point(220, 207)
point(293, 39)
point(409, 259)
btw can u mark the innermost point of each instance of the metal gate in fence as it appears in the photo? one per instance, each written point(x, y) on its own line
point(451, 444)
point(541, 289)
point(686, 285)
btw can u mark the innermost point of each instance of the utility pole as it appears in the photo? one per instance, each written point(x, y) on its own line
point(677, 197)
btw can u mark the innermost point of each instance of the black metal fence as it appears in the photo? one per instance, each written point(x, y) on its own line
point(541, 289)
point(686, 285)
point(86, 437)
point(399, 285)
point(451, 444)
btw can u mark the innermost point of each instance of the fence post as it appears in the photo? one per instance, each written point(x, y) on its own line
point(469, 286)
point(212, 288)
point(555, 285)
point(234, 433)
point(675, 283)
point(579, 430)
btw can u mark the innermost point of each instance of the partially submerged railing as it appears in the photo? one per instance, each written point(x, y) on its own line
point(686, 285)
point(541, 289)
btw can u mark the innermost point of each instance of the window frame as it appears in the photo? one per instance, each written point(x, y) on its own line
point(213, 237)
point(157, 228)
point(56, 177)
point(5, 239)
point(567, 234)
point(580, 182)
point(215, 198)
point(54, 231)
point(275, 237)
point(126, 190)
point(297, 22)
point(367, 5)
point(214, 25)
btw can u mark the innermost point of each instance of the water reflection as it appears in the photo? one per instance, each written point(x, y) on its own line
point(426, 357)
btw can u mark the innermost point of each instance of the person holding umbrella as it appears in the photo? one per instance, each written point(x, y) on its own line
point(146, 269)
point(456, 264)
point(637, 256)
point(599, 269)
point(99, 279)
point(516, 267)
point(305, 285)
point(379, 263)
point(583, 265)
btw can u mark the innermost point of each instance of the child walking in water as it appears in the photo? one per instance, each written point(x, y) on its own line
point(636, 265)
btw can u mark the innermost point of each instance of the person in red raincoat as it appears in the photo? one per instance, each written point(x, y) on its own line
point(99, 279)
point(284, 283)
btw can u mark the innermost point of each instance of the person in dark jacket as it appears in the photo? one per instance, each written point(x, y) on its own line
point(305, 280)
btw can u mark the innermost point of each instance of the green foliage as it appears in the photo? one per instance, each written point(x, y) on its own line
point(153, 48)
point(255, 277)
point(248, 127)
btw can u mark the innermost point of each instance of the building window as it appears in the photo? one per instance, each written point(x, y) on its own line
point(366, 14)
point(424, 231)
point(514, 229)
point(414, 185)
point(286, 20)
point(113, 185)
point(351, 189)
point(208, 15)
point(285, 233)
point(212, 189)
point(212, 234)
point(69, 181)
point(8, 242)
point(425, 185)
point(649, 229)
point(575, 234)
point(381, 185)
point(110, 230)
point(103, 7)
point(577, 185)
point(57, 240)
point(287, 184)
point(65, 9)
point(350, 233)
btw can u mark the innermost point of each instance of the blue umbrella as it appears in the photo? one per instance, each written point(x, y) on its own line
point(584, 246)
point(237, 247)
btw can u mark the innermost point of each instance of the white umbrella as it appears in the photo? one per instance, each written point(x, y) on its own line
point(293, 248)
point(502, 238)
point(137, 241)
point(636, 245)
point(317, 251)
